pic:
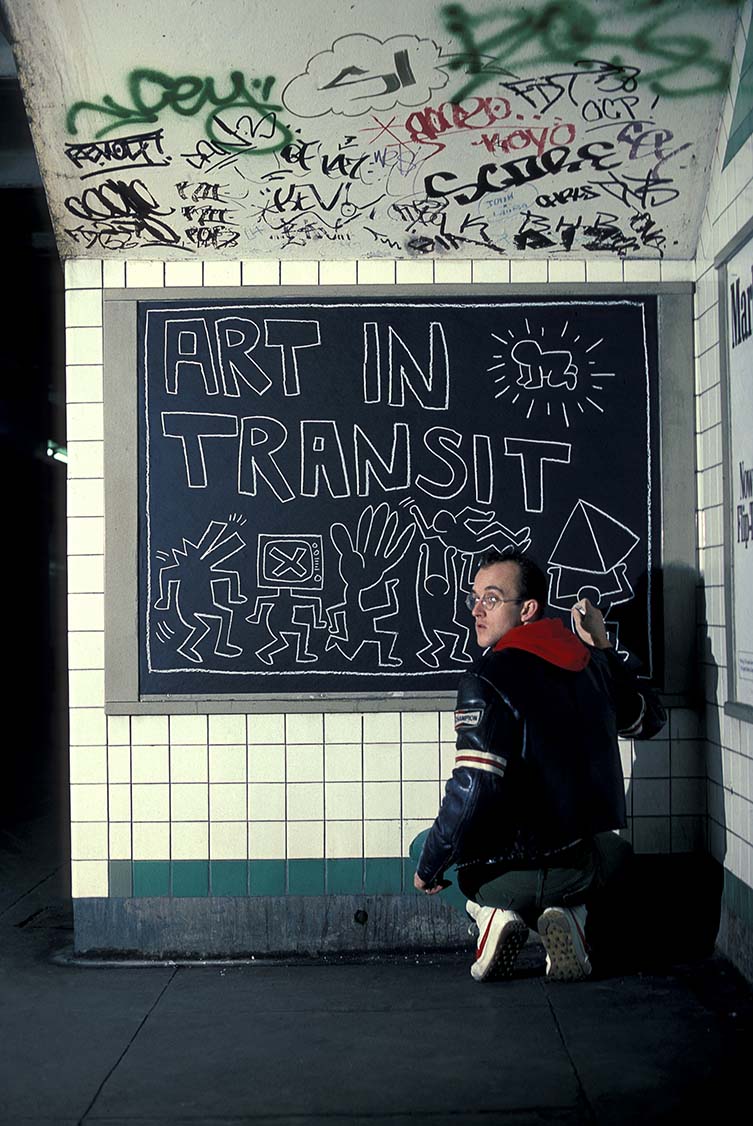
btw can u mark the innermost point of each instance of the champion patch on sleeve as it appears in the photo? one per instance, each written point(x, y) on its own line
point(468, 717)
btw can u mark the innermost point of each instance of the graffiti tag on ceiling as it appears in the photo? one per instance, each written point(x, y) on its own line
point(372, 149)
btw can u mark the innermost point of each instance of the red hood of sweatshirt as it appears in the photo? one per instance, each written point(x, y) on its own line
point(548, 638)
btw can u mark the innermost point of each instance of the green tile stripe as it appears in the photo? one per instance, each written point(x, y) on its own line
point(738, 897)
point(383, 875)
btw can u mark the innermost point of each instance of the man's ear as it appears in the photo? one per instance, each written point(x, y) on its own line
point(529, 610)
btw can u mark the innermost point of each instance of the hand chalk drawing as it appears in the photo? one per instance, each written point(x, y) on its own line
point(368, 454)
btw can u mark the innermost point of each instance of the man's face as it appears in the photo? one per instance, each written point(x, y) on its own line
point(502, 580)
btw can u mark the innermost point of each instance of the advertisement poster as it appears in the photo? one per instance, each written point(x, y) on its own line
point(740, 464)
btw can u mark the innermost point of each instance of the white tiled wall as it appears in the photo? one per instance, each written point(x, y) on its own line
point(227, 787)
point(729, 742)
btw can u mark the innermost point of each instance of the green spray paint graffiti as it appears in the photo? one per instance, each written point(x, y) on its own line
point(566, 31)
point(256, 133)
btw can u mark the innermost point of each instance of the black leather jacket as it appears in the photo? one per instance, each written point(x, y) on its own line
point(537, 764)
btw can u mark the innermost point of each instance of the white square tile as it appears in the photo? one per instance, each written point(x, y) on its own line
point(651, 759)
point(420, 761)
point(528, 270)
point(688, 796)
point(420, 727)
point(88, 802)
point(190, 840)
point(89, 840)
point(260, 272)
point(337, 273)
point(222, 273)
point(491, 271)
point(382, 838)
point(188, 763)
point(86, 574)
point(86, 727)
point(149, 763)
point(150, 802)
point(650, 797)
point(86, 612)
point(266, 840)
point(119, 798)
point(86, 498)
point(227, 729)
point(86, 688)
point(411, 272)
point(151, 841)
point(343, 801)
point(420, 799)
point(228, 840)
point(227, 801)
point(266, 764)
point(84, 422)
point(187, 729)
point(84, 383)
point(86, 650)
point(83, 273)
point(149, 730)
point(567, 270)
point(381, 727)
point(89, 879)
point(381, 800)
point(88, 764)
point(381, 762)
point(113, 273)
point(263, 729)
point(305, 801)
point(305, 840)
point(189, 801)
point(651, 834)
point(227, 763)
point(183, 274)
point(144, 275)
point(304, 727)
point(85, 459)
point(305, 763)
point(452, 271)
point(298, 273)
point(266, 801)
point(343, 839)
point(341, 727)
point(376, 271)
point(83, 308)
point(604, 270)
point(680, 270)
point(342, 762)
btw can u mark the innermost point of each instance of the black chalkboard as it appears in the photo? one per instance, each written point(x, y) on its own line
point(318, 477)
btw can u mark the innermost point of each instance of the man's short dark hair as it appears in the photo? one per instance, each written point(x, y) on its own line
point(532, 582)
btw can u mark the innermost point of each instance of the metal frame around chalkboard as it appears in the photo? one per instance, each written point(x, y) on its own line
point(676, 462)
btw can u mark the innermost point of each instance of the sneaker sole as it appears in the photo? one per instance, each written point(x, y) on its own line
point(564, 964)
point(500, 962)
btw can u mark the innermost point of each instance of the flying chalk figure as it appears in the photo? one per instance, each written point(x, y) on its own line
point(537, 367)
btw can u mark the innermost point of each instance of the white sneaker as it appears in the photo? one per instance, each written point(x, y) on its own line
point(471, 910)
point(563, 932)
point(502, 934)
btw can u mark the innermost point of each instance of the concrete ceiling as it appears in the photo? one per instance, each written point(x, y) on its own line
point(240, 129)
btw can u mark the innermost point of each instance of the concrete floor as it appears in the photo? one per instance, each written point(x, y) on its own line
point(409, 1039)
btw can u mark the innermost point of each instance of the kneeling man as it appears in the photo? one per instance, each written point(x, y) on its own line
point(537, 785)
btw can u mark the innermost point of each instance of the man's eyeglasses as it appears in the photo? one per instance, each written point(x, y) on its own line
point(488, 601)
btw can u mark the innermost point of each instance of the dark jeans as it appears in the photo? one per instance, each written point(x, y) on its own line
point(580, 875)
